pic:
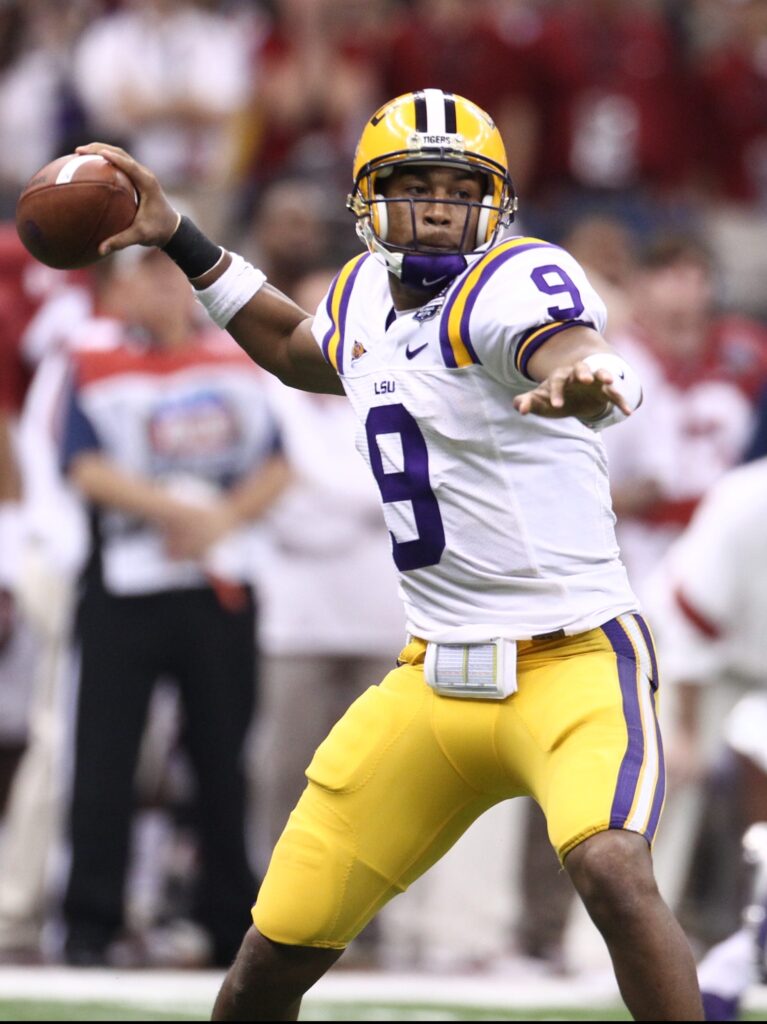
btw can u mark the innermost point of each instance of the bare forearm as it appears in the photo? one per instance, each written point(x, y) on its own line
point(253, 496)
point(102, 483)
point(276, 334)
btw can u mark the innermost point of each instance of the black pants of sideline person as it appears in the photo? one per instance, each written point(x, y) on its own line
point(126, 643)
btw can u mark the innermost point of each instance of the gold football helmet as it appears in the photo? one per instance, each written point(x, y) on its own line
point(429, 126)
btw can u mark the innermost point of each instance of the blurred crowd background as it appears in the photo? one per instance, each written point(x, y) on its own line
point(636, 132)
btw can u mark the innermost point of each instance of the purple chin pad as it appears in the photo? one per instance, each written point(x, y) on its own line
point(430, 270)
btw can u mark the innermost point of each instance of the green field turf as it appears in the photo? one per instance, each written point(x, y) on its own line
point(44, 1011)
point(58, 993)
point(40, 1010)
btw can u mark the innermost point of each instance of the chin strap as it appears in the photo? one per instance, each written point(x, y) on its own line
point(420, 270)
point(429, 270)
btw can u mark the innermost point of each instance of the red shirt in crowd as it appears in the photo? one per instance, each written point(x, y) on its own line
point(733, 107)
point(613, 98)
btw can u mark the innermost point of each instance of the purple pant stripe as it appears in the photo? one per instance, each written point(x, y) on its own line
point(628, 776)
point(645, 630)
point(660, 788)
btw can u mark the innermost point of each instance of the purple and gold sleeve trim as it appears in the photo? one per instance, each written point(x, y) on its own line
point(454, 334)
point(641, 784)
point(536, 337)
point(337, 306)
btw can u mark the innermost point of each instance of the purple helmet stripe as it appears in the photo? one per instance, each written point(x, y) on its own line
point(420, 112)
point(451, 126)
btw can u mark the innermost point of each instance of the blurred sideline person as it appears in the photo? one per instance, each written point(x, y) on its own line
point(606, 248)
point(169, 437)
point(315, 82)
point(51, 550)
point(289, 233)
point(17, 642)
point(40, 116)
point(610, 76)
point(703, 370)
point(710, 597)
point(170, 78)
point(480, 379)
point(16, 656)
point(39, 309)
point(729, 81)
point(25, 285)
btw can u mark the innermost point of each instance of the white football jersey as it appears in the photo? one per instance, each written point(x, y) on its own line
point(501, 524)
point(710, 592)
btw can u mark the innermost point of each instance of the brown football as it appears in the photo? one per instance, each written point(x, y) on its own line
point(70, 206)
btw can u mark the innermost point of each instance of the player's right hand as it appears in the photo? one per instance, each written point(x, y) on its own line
point(155, 220)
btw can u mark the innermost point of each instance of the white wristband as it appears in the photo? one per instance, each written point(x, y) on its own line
point(625, 381)
point(236, 286)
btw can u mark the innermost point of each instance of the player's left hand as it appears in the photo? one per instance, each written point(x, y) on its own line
point(575, 390)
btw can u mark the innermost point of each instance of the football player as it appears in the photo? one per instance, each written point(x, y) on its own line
point(528, 668)
point(708, 592)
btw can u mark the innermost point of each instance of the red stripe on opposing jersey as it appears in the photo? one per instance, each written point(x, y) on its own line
point(701, 622)
point(95, 366)
point(670, 513)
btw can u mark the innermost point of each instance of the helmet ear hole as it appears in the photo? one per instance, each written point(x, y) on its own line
point(483, 221)
point(379, 217)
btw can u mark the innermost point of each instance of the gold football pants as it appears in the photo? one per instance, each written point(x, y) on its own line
point(406, 771)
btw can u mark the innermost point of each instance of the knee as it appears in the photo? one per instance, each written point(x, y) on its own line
point(263, 967)
point(255, 988)
point(613, 874)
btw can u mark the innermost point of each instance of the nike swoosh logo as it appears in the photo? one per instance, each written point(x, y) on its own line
point(414, 353)
point(426, 283)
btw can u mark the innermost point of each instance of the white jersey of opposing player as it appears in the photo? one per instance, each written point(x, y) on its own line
point(710, 591)
point(501, 525)
point(709, 597)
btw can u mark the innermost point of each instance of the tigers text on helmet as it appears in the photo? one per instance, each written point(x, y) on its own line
point(429, 126)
